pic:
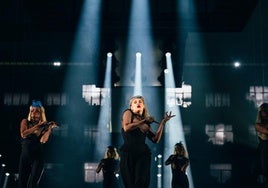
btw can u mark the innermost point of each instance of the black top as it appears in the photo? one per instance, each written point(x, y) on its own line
point(134, 141)
point(177, 163)
point(179, 177)
point(109, 169)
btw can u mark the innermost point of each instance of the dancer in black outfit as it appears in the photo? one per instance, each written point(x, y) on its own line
point(261, 126)
point(179, 162)
point(135, 156)
point(35, 131)
point(110, 168)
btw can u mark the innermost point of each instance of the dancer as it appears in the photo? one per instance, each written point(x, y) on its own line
point(110, 168)
point(179, 162)
point(261, 126)
point(34, 131)
point(135, 156)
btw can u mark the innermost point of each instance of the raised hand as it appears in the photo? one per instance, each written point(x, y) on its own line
point(168, 116)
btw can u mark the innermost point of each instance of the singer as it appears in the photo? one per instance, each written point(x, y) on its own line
point(135, 158)
point(34, 131)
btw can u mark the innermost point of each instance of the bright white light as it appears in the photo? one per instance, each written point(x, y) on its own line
point(159, 156)
point(173, 133)
point(109, 54)
point(57, 63)
point(166, 71)
point(159, 166)
point(7, 174)
point(138, 54)
point(237, 64)
point(3, 165)
point(138, 74)
point(168, 54)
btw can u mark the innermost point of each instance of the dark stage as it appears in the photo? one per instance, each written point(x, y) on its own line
point(205, 38)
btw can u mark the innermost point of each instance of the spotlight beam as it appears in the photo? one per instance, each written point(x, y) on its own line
point(138, 75)
point(174, 133)
point(104, 122)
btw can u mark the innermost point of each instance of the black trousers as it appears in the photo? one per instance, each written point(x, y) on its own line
point(135, 169)
point(260, 165)
point(262, 157)
point(31, 164)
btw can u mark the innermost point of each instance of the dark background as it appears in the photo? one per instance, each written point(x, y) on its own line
point(35, 33)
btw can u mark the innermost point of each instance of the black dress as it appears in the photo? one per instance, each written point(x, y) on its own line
point(179, 178)
point(135, 159)
point(31, 160)
point(109, 169)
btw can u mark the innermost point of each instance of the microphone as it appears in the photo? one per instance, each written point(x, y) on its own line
point(155, 122)
point(150, 121)
point(47, 124)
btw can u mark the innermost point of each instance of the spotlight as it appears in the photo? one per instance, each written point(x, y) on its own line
point(109, 54)
point(166, 71)
point(138, 54)
point(237, 64)
point(57, 63)
point(168, 54)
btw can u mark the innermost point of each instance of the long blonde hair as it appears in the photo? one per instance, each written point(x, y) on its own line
point(260, 109)
point(179, 149)
point(111, 152)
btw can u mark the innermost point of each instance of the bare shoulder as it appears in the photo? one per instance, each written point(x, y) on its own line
point(24, 121)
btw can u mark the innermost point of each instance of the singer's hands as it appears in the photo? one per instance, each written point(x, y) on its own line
point(168, 116)
point(41, 124)
point(53, 124)
point(47, 125)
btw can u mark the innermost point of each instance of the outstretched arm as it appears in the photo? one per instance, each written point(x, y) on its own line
point(160, 129)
